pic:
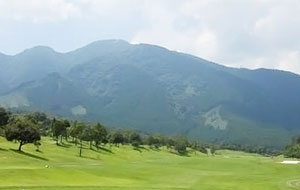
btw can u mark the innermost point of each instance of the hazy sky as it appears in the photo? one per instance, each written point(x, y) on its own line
point(240, 33)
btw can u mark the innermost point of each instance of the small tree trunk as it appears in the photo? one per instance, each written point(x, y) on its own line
point(80, 150)
point(20, 146)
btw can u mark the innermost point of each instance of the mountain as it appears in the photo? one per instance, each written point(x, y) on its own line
point(153, 89)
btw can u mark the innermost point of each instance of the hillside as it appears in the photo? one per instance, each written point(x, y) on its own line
point(150, 88)
point(56, 167)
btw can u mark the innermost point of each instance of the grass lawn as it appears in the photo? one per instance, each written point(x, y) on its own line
point(124, 168)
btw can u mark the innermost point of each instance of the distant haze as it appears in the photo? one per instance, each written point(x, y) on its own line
point(248, 33)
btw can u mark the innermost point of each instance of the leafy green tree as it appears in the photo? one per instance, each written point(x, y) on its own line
point(199, 147)
point(135, 139)
point(37, 116)
point(77, 131)
point(170, 142)
point(43, 120)
point(181, 144)
point(116, 137)
point(72, 131)
point(153, 141)
point(87, 135)
point(67, 126)
point(22, 130)
point(58, 129)
point(4, 117)
point(99, 134)
point(293, 149)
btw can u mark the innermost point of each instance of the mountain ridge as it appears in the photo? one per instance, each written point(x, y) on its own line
point(151, 88)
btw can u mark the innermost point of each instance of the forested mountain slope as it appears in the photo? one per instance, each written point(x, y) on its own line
point(153, 89)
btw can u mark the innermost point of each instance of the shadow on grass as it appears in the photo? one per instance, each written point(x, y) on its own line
point(186, 154)
point(2, 149)
point(155, 149)
point(140, 148)
point(105, 149)
point(29, 155)
point(88, 157)
point(102, 149)
point(39, 151)
point(137, 148)
point(64, 145)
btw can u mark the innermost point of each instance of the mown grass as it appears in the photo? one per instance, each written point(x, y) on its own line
point(124, 168)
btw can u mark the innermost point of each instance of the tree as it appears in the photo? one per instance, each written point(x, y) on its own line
point(153, 141)
point(116, 137)
point(4, 117)
point(67, 125)
point(37, 116)
point(180, 148)
point(181, 145)
point(87, 135)
point(73, 132)
point(22, 130)
point(293, 149)
point(199, 147)
point(99, 134)
point(58, 128)
point(77, 132)
point(43, 120)
point(170, 142)
point(135, 139)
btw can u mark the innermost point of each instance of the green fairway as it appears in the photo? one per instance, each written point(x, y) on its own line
point(124, 168)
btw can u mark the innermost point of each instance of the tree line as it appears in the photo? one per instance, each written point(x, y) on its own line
point(293, 149)
point(28, 128)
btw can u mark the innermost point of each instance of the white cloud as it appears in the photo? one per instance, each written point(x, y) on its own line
point(248, 33)
point(37, 11)
point(285, 60)
point(289, 61)
point(173, 25)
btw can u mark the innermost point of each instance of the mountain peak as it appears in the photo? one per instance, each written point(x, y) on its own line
point(107, 43)
point(99, 48)
point(39, 50)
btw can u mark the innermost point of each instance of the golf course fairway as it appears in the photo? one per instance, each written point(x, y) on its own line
point(125, 168)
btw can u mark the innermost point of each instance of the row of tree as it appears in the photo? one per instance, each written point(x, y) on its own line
point(28, 128)
point(97, 135)
point(263, 150)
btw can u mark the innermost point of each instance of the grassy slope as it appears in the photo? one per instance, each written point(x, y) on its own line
point(125, 168)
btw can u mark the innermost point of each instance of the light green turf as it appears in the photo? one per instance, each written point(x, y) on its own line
point(128, 169)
